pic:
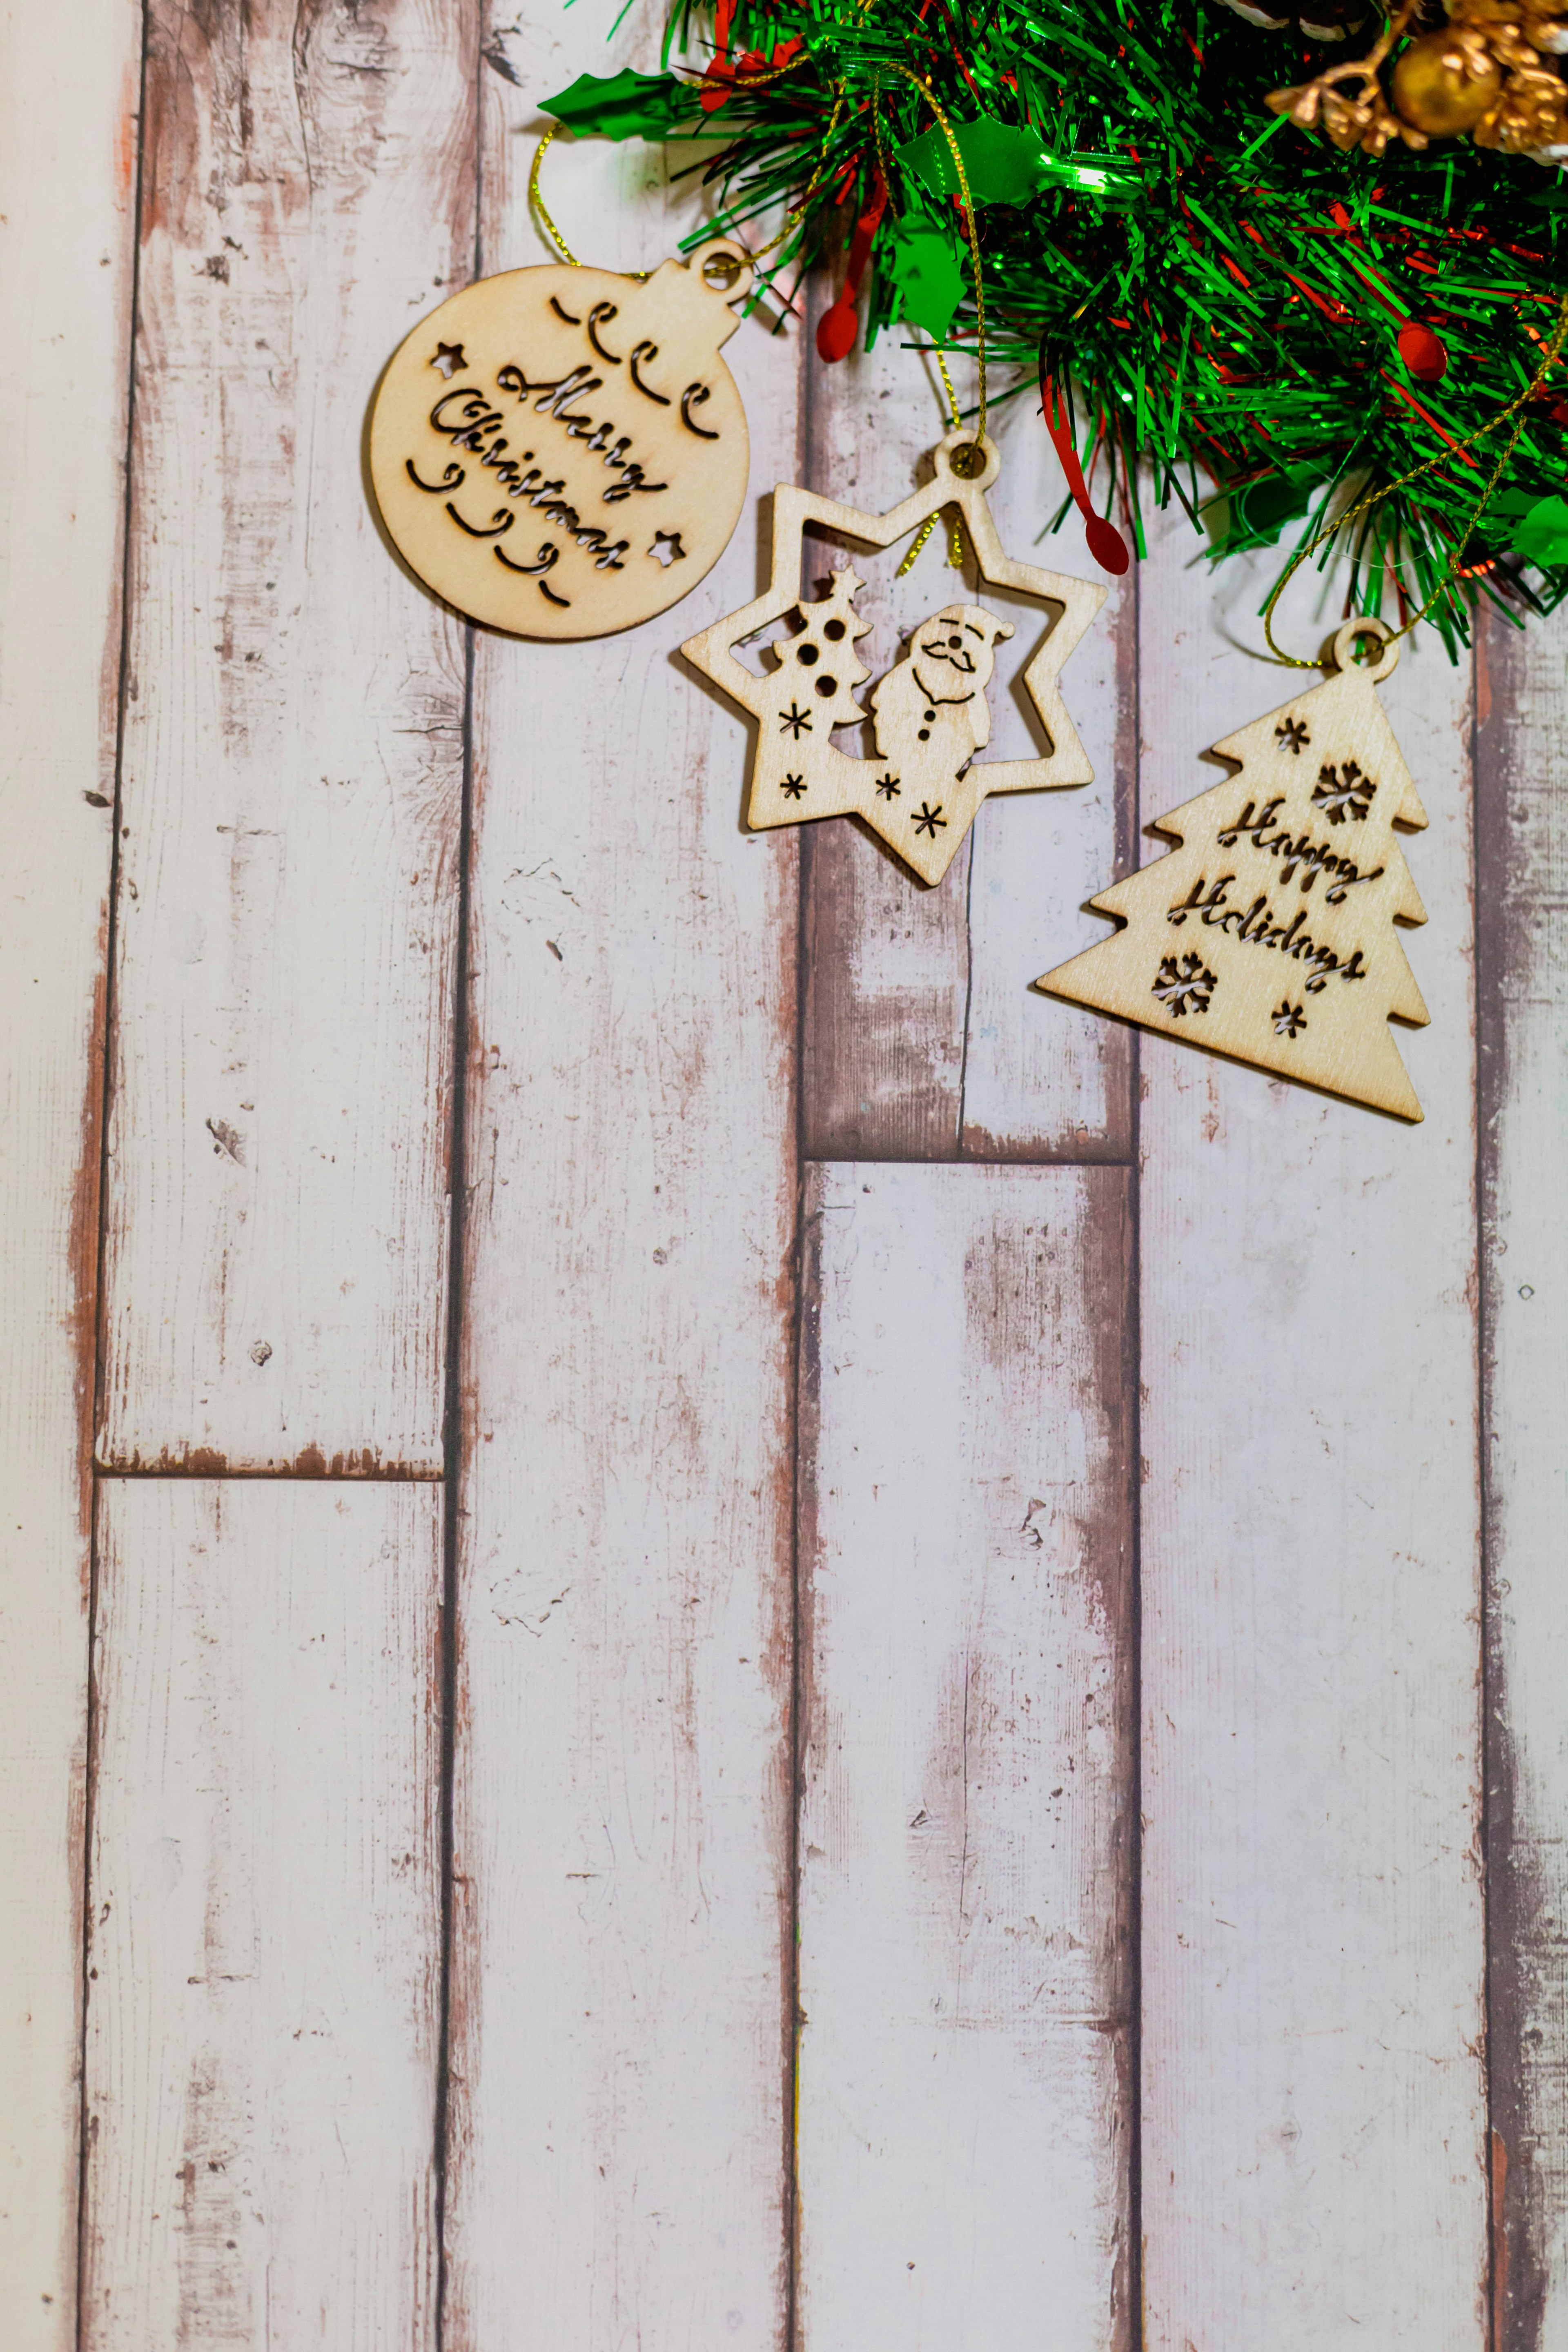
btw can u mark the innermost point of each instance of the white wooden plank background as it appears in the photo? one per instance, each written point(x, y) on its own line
point(1312, 1949)
point(68, 162)
point(263, 1986)
point(967, 1701)
point(278, 1215)
point(1522, 853)
point(588, 1680)
point(621, 1983)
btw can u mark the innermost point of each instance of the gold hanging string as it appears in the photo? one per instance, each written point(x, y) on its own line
point(537, 203)
point(1552, 352)
point(966, 202)
point(840, 97)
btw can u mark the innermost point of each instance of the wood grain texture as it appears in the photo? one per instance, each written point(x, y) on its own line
point(263, 2013)
point(1522, 861)
point(621, 1897)
point(278, 1209)
point(1314, 2111)
point(67, 164)
point(966, 2094)
point(918, 1042)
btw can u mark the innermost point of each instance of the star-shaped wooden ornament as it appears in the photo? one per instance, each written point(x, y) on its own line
point(929, 715)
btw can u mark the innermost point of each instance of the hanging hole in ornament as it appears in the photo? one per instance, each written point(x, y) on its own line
point(724, 270)
point(1350, 640)
point(968, 456)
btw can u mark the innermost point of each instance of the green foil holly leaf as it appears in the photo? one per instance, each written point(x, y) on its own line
point(924, 264)
point(1005, 163)
point(626, 105)
point(1537, 527)
point(1002, 161)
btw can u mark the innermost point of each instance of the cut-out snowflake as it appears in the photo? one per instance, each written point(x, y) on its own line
point(926, 818)
point(1343, 791)
point(888, 787)
point(794, 786)
point(1290, 1020)
point(1291, 734)
point(1184, 984)
point(796, 721)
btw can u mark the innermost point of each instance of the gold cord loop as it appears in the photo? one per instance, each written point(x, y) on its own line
point(1552, 352)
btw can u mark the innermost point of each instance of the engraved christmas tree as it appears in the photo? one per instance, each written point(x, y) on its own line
point(1268, 934)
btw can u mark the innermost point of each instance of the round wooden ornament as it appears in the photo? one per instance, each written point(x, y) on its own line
point(560, 451)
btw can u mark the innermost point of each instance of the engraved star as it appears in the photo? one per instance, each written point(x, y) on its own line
point(843, 784)
point(794, 786)
point(449, 358)
point(1291, 734)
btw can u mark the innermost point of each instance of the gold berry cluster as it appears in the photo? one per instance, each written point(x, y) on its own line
point(1486, 72)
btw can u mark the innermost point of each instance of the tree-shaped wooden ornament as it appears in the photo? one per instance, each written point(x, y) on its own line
point(1268, 934)
point(929, 711)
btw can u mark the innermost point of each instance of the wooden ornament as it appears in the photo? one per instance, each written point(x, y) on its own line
point(930, 714)
point(1268, 934)
point(561, 452)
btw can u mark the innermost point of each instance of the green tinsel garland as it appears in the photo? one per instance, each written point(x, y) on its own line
point(1225, 292)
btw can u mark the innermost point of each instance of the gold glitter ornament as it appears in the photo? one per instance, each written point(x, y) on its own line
point(1444, 83)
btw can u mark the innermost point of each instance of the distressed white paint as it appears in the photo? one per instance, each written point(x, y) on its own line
point(622, 1837)
point(277, 1200)
point(1523, 862)
point(964, 2043)
point(266, 1828)
point(1313, 2112)
point(263, 2010)
point(68, 153)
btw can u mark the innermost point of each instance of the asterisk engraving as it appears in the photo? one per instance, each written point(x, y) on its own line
point(1290, 1020)
point(793, 787)
point(797, 721)
point(888, 787)
point(1291, 734)
point(927, 819)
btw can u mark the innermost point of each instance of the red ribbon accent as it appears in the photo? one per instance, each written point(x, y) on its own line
point(1106, 544)
point(836, 329)
point(719, 79)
